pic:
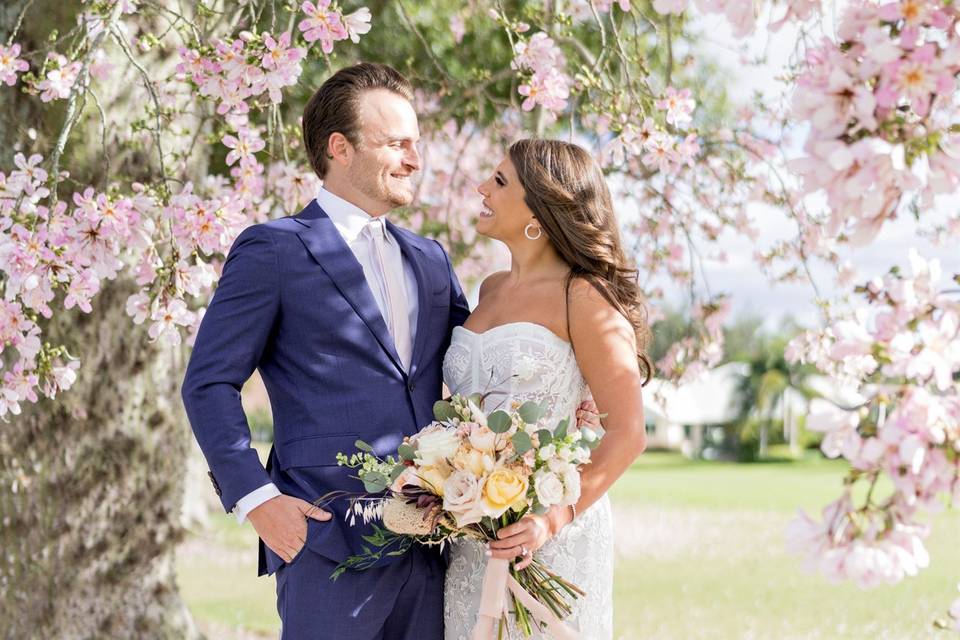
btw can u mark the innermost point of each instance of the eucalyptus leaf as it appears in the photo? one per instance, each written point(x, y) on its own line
point(530, 412)
point(443, 411)
point(545, 437)
point(374, 482)
point(499, 422)
point(397, 470)
point(561, 431)
point(363, 446)
point(406, 451)
point(521, 442)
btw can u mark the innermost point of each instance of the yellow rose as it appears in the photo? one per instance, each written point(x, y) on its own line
point(433, 476)
point(503, 489)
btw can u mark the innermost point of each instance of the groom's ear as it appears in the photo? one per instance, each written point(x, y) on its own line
point(339, 148)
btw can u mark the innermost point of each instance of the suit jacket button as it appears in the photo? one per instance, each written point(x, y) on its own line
point(216, 485)
point(411, 387)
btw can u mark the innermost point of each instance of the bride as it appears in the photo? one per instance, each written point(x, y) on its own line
point(565, 321)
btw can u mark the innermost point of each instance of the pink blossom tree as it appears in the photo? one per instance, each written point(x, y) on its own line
point(143, 135)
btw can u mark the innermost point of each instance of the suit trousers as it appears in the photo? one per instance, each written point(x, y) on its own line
point(402, 601)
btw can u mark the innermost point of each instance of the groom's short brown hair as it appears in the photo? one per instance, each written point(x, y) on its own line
point(335, 107)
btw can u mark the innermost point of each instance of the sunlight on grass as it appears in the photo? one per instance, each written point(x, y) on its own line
point(700, 555)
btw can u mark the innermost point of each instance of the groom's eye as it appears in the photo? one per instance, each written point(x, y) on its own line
point(499, 181)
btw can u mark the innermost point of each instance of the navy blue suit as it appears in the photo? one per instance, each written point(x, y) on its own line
point(293, 302)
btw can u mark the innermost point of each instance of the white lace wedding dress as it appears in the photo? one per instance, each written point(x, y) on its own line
point(523, 361)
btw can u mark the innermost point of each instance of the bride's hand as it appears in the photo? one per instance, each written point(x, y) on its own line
point(530, 533)
point(588, 415)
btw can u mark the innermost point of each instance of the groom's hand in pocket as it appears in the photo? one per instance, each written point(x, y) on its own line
point(281, 523)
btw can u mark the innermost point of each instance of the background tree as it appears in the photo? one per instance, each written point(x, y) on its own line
point(144, 135)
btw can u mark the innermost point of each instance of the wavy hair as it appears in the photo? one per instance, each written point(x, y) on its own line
point(568, 194)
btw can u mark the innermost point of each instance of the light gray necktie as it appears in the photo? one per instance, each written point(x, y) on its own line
point(393, 292)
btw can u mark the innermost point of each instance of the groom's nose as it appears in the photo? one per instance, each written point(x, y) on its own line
point(412, 158)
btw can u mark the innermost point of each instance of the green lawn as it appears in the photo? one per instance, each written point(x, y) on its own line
point(700, 555)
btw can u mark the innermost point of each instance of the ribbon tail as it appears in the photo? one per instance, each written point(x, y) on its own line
point(493, 599)
point(541, 613)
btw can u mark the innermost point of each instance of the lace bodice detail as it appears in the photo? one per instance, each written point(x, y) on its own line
point(517, 362)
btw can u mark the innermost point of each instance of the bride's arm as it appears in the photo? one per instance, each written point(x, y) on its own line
point(605, 347)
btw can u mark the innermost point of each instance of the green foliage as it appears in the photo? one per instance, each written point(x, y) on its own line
point(261, 424)
point(499, 422)
point(444, 411)
point(531, 412)
point(521, 442)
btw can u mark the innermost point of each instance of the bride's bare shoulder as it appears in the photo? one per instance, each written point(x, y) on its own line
point(491, 282)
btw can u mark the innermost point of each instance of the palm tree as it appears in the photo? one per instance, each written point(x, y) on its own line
point(763, 391)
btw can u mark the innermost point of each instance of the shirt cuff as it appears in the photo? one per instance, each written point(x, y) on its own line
point(254, 499)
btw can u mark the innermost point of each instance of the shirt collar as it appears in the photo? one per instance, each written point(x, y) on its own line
point(348, 218)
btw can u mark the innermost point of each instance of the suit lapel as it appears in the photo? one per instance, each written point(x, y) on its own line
point(331, 252)
point(415, 256)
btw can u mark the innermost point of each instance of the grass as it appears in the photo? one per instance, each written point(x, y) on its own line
point(700, 555)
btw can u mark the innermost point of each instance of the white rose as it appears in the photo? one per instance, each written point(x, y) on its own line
point(549, 488)
point(571, 486)
point(437, 445)
point(461, 497)
point(547, 452)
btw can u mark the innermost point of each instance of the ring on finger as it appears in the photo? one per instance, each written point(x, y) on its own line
point(524, 551)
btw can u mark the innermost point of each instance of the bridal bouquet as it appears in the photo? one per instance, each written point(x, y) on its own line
point(468, 474)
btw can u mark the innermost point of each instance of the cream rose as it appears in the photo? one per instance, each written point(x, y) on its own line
point(461, 497)
point(436, 445)
point(504, 488)
point(482, 438)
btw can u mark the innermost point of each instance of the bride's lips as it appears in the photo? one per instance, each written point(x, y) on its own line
point(486, 212)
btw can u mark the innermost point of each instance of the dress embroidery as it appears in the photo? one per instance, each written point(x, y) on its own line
point(517, 362)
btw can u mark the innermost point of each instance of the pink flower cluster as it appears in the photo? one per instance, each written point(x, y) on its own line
point(246, 68)
point(902, 352)
point(11, 64)
point(59, 79)
point(60, 255)
point(880, 104)
point(657, 148)
point(326, 23)
point(548, 84)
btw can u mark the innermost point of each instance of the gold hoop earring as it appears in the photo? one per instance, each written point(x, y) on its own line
point(526, 232)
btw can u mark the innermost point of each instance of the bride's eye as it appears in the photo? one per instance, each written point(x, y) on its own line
point(499, 181)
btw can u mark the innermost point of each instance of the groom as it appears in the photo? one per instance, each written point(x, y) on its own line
point(347, 317)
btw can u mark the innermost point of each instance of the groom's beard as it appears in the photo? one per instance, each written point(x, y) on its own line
point(370, 180)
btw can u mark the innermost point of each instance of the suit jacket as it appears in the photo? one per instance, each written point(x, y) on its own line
point(293, 302)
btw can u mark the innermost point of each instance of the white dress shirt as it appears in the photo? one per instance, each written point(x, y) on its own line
point(350, 221)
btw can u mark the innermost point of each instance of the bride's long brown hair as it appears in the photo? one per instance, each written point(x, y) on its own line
point(567, 193)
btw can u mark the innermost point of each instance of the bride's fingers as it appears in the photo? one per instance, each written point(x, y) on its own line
point(511, 553)
point(521, 537)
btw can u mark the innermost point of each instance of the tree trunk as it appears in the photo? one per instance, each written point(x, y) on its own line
point(92, 486)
